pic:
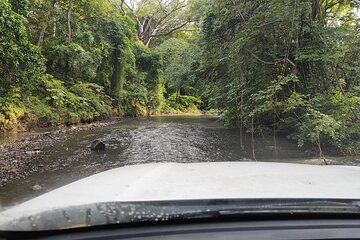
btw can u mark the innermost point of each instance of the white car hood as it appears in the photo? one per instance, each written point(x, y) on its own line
point(195, 181)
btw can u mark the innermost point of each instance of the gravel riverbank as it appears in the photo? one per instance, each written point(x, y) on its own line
point(16, 158)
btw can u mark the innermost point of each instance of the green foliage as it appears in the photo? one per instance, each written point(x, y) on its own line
point(270, 99)
point(314, 124)
point(270, 66)
point(67, 62)
point(149, 67)
point(81, 74)
point(184, 103)
point(42, 113)
point(20, 61)
point(12, 112)
point(179, 57)
point(20, 7)
point(135, 100)
point(93, 100)
point(70, 78)
point(287, 65)
point(56, 104)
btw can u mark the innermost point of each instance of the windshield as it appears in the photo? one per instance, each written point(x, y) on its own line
point(140, 102)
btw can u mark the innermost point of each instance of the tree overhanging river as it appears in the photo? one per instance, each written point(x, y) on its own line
point(181, 139)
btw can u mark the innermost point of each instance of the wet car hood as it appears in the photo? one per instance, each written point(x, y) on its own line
point(196, 181)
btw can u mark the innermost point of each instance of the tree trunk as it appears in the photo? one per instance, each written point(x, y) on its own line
point(45, 25)
point(69, 21)
point(41, 35)
point(321, 154)
point(241, 120)
point(147, 42)
point(274, 126)
point(115, 80)
point(177, 96)
point(253, 139)
point(54, 28)
point(315, 9)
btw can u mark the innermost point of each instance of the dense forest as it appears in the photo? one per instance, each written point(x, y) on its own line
point(279, 67)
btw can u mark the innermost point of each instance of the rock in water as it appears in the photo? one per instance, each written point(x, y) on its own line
point(36, 187)
point(37, 149)
point(97, 146)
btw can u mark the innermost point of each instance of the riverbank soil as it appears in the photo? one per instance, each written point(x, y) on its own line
point(16, 158)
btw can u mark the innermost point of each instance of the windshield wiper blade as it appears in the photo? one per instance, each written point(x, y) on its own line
point(316, 206)
point(261, 207)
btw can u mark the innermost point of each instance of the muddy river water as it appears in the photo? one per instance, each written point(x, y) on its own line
point(158, 139)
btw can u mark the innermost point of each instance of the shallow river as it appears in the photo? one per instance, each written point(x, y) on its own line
point(158, 139)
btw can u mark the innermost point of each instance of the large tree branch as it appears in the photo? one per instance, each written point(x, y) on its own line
point(120, 6)
point(161, 32)
point(162, 20)
point(173, 10)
